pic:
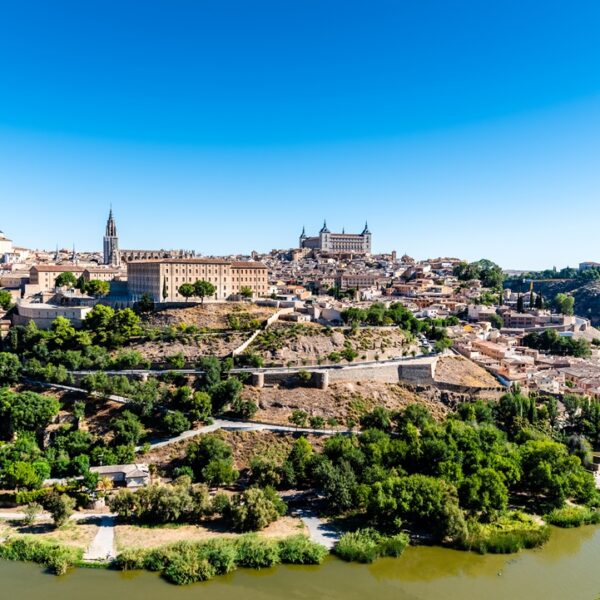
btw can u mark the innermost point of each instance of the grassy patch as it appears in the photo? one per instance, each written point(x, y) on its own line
point(56, 557)
point(366, 545)
point(188, 562)
point(508, 534)
point(573, 516)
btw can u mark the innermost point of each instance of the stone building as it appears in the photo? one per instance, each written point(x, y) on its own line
point(129, 255)
point(338, 243)
point(111, 243)
point(43, 277)
point(114, 257)
point(161, 278)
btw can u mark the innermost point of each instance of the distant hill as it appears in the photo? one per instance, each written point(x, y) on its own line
point(586, 294)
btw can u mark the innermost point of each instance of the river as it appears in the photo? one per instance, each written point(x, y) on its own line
point(565, 569)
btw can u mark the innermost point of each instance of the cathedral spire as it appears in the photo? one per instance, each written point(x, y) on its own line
point(111, 242)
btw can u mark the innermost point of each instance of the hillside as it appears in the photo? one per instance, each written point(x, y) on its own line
point(587, 295)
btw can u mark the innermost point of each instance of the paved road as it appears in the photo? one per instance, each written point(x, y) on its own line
point(103, 545)
point(240, 426)
point(319, 530)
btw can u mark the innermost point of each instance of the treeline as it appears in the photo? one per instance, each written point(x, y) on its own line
point(486, 271)
point(586, 275)
point(184, 502)
point(168, 406)
point(550, 342)
point(452, 481)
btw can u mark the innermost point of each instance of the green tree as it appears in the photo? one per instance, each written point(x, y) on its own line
point(186, 290)
point(256, 508)
point(203, 288)
point(127, 428)
point(175, 422)
point(96, 287)
point(496, 321)
point(10, 368)
point(26, 475)
point(484, 492)
point(564, 304)
point(225, 393)
point(60, 507)
point(211, 459)
point(66, 279)
point(26, 411)
point(246, 292)
point(199, 406)
point(211, 371)
point(6, 300)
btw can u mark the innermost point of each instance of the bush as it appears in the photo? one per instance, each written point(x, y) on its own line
point(175, 422)
point(256, 508)
point(256, 553)
point(58, 559)
point(299, 550)
point(573, 516)
point(131, 559)
point(32, 511)
point(188, 567)
point(508, 534)
point(60, 507)
point(366, 545)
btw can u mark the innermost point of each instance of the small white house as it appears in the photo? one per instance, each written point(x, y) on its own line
point(132, 476)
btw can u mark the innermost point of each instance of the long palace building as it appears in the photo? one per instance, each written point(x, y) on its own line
point(338, 243)
point(161, 278)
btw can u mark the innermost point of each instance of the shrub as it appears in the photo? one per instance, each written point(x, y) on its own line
point(60, 507)
point(32, 510)
point(358, 546)
point(256, 553)
point(175, 422)
point(131, 559)
point(58, 559)
point(188, 567)
point(255, 508)
point(508, 534)
point(299, 550)
point(366, 545)
point(573, 516)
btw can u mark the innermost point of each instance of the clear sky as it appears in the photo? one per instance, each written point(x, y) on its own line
point(456, 127)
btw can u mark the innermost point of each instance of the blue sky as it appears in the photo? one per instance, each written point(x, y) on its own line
point(462, 128)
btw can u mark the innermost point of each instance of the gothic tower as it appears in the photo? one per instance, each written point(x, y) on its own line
point(111, 243)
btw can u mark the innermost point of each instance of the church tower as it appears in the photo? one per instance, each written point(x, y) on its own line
point(111, 243)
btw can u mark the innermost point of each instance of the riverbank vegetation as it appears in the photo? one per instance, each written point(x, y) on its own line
point(367, 545)
point(57, 558)
point(573, 516)
point(186, 562)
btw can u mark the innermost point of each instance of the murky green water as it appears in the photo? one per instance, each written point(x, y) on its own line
point(568, 568)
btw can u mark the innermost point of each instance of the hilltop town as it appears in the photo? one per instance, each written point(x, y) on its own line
point(288, 393)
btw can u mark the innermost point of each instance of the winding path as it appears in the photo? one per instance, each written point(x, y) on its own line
point(240, 426)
